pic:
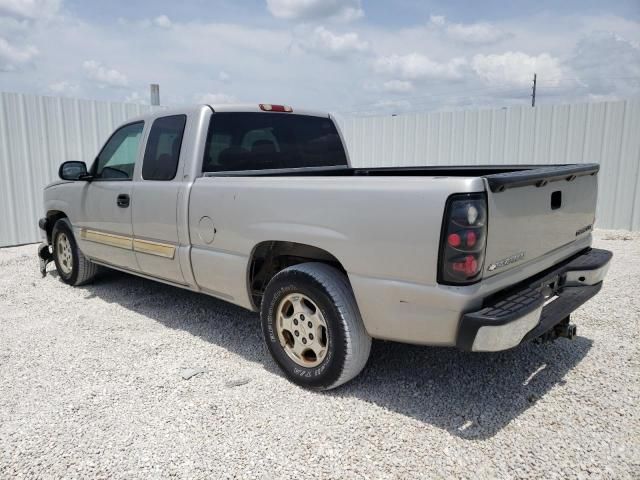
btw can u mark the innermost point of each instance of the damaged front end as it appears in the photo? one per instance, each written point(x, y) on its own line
point(45, 255)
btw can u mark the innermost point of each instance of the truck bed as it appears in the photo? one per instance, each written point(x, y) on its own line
point(533, 209)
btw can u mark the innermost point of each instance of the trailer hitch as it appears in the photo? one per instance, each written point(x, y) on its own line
point(564, 329)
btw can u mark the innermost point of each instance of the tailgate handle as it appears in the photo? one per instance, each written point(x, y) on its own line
point(556, 200)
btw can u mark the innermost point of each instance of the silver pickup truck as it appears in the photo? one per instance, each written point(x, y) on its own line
point(258, 205)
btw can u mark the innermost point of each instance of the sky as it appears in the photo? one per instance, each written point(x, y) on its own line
point(352, 57)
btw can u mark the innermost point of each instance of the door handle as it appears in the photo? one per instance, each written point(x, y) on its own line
point(123, 200)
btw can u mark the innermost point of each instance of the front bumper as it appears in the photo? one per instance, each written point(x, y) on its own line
point(534, 306)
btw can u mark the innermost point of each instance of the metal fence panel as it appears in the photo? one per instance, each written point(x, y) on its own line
point(37, 133)
point(607, 133)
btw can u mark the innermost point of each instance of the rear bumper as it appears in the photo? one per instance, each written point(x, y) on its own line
point(534, 306)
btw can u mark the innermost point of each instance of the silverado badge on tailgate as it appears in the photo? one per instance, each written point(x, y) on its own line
point(506, 261)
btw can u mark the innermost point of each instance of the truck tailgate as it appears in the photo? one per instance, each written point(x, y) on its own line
point(533, 212)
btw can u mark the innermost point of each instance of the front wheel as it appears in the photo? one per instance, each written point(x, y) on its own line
point(312, 326)
point(73, 267)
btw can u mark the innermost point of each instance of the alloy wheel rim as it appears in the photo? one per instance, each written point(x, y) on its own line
point(65, 257)
point(302, 330)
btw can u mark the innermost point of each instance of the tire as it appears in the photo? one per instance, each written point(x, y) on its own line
point(340, 349)
point(80, 269)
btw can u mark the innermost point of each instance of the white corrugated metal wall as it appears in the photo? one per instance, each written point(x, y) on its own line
point(607, 133)
point(38, 133)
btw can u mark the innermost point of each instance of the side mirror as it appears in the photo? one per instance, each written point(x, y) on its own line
point(73, 171)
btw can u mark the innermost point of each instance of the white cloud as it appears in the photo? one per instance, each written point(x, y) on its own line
point(64, 87)
point(103, 75)
point(607, 64)
point(414, 66)
point(162, 21)
point(517, 68)
point(439, 20)
point(214, 98)
point(479, 33)
point(397, 86)
point(136, 97)
point(29, 9)
point(334, 45)
point(607, 97)
point(472, 33)
point(125, 22)
point(11, 56)
point(417, 61)
point(342, 10)
point(399, 105)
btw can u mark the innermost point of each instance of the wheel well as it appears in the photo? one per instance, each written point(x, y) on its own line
point(270, 257)
point(52, 217)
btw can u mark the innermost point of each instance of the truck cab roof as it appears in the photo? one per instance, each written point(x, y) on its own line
point(227, 108)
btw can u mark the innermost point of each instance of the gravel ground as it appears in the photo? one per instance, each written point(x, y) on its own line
point(127, 378)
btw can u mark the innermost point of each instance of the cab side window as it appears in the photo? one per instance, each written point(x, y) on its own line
point(163, 148)
point(118, 157)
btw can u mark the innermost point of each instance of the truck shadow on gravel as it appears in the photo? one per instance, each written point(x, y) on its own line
point(472, 396)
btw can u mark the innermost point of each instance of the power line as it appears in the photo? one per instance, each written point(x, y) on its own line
point(441, 94)
point(413, 107)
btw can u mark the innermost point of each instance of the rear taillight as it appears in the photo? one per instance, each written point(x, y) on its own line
point(464, 234)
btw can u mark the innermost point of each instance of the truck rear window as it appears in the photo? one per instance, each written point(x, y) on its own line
point(261, 141)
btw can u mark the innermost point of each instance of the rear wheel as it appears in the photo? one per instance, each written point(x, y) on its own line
point(73, 267)
point(312, 326)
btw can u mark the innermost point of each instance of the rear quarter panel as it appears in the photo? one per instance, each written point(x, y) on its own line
point(378, 228)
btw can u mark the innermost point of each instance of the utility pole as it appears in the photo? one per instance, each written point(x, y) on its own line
point(533, 95)
point(154, 94)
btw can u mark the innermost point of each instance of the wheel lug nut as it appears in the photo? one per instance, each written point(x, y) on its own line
point(310, 325)
point(304, 340)
point(301, 317)
point(311, 336)
point(297, 333)
point(295, 321)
